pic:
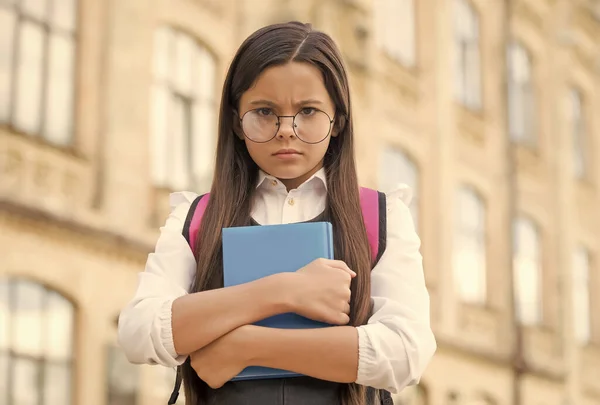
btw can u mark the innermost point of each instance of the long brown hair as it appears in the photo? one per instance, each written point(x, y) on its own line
point(235, 174)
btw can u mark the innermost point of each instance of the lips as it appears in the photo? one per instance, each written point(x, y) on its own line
point(286, 152)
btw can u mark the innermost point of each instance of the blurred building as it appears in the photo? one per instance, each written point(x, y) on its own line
point(488, 109)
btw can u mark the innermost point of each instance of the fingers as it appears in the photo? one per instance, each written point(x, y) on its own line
point(340, 319)
point(339, 264)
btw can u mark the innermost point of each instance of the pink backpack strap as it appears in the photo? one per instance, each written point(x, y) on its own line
point(373, 205)
point(194, 218)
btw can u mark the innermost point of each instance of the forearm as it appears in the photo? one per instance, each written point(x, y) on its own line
point(200, 318)
point(328, 353)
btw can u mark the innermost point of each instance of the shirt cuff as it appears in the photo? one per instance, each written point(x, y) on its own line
point(166, 328)
point(367, 361)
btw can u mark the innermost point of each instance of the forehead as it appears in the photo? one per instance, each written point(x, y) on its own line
point(289, 84)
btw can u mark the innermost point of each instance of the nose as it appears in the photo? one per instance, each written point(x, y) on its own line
point(286, 127)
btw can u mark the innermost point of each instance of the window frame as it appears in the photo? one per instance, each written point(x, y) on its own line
point(468, 89)
point(408, 161)
point(40, 361)
point(164, 173)
point(49, 30)
point(466, 194)
point(525, 91)
point(525, 223)
point(386, 21)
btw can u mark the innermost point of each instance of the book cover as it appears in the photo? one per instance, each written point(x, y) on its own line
point(254, 252)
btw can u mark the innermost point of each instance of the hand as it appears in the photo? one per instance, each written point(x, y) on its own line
point(322, 291)
point(220, 361)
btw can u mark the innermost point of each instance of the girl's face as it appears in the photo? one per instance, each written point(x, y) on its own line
point(293, 89)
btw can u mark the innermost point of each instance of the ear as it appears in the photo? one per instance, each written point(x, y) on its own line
point(338, 125)
point(237, 125)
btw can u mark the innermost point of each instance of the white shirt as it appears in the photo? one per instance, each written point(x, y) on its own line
point(395, 345)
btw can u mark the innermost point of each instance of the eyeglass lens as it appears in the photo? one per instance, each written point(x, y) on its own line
point(310, 125)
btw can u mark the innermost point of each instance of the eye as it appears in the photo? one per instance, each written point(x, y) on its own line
point(264, 112)
point(308, 111)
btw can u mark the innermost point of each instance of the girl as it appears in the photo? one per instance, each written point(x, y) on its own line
point(285, 154)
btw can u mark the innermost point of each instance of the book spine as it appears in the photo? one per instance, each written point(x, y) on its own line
point(329, 232)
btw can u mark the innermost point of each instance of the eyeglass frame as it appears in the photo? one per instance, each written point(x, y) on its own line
point(279, 117)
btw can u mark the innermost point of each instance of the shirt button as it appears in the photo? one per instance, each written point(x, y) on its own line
point(274, 182)
point(291, 201)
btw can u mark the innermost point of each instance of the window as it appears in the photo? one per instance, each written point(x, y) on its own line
point(396, 168)
point(183, 112)
point(581, 295)
point(36, 344)
point(123, 378)
point(520, 95)
point(470, 247)
point(527, 263)
point(395, 29)
point(578, 131)
point(37, 67)
point(467, 57)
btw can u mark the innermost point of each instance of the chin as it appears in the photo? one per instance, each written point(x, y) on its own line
point(287, 173)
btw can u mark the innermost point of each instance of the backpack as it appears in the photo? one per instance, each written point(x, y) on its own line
point(373, 206)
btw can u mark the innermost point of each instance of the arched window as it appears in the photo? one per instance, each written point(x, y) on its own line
point(395, 29)
point(470, 247)
point(527, 263)
point(183, 112)
point(467, 55)
point(397, 167)
point(521, 99)
point(36, 344)
point(37, 67)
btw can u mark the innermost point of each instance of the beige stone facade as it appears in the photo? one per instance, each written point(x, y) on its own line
point(80, 218)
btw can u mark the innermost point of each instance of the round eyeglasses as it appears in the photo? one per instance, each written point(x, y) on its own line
point(310, 125)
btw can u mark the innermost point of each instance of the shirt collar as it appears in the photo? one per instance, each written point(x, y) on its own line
point(318, 179)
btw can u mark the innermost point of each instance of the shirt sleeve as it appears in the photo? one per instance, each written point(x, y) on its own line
point(397, 343)
point(144, 328)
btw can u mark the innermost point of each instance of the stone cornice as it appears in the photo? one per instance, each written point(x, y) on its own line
point(100, 242)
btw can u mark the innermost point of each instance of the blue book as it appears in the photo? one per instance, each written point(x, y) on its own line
point(254, 252)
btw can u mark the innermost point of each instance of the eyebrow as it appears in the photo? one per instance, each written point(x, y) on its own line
point(272, 104)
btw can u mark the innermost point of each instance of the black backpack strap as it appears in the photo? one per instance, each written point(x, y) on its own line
point(188, 219)
point(176, 388)
point(382, 202)
point(378, 397)
point(386, 397)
